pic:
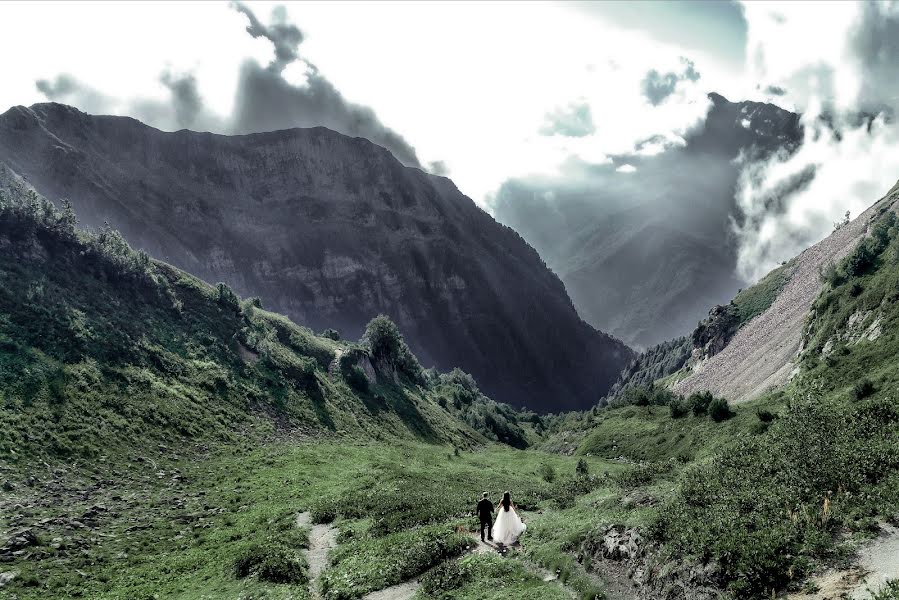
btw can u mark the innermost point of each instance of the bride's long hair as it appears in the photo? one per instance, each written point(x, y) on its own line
point(507, 500)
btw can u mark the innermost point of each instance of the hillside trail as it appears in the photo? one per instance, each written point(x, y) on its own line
point(322, 539)
point(876, 563)
point(546, 575)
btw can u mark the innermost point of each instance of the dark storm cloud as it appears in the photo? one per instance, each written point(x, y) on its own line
point(574, 120)
point(266, 101)
point(775, 90)
point(656, 87)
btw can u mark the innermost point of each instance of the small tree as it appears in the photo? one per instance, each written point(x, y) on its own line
point(547, 472)
point(699, 402)
point(719, 410)
point(331, 334)
point(581, 470)
point(678, 408)
point(226, 298)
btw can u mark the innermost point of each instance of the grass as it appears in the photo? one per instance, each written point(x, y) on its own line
point(488, 577)
point(756, 299)
point(177, 529)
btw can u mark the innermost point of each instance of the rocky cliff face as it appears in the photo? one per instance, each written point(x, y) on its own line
point(330, 230)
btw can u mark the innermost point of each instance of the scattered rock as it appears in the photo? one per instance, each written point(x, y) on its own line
point(7, 577)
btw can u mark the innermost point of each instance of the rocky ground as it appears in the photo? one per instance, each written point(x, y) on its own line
point(760, 356)
point(876, 563)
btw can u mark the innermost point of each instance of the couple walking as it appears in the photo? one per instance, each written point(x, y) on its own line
point(508, 526)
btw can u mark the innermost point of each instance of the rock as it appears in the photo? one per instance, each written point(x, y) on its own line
point(20, 540)
point(7, 485)
point(7, 577)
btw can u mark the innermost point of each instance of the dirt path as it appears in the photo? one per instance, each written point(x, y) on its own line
point(876, 563)
point(322, 539)
point(402, 591)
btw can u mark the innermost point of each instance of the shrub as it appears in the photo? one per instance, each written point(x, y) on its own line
point(888, 591)
point(765, 416)
point(271, 562)
point(678, 408)
point(331, 334)
point(582, 470)
point(356, 378)
point(283, 566)
point(547, 472)
point(719, 410)
point(862, 389)
point(444, 577)
point(699, 402)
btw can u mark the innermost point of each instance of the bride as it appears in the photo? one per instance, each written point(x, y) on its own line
point(508, 527)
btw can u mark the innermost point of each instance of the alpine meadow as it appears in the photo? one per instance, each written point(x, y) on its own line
point(449, 301)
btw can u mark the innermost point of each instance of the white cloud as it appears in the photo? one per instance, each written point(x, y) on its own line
point(626, 168)
point(475, 103)
point(816, 61)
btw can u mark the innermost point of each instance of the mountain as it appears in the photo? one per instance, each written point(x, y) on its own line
point(104, 349)
point(762, 354)
point(644, 254)
point(331, 231)
point(757, 342)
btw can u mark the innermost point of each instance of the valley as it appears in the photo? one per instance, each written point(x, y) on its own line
point(162, 437)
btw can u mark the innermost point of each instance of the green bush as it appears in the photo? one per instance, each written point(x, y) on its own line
point(357, 379)
point(888, 591)
point(719, 410)
point(443, 578)
point(331, 334)
point(387, 346)
point(678, 408)
point(271, 562)
point(699, 402)
point(547, 472)
point(365, 565)
point(862, 389)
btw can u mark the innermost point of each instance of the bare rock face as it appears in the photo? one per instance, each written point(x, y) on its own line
point(329, 230)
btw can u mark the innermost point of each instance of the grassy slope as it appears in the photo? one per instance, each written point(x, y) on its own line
point(176, 529)
point(140, 417)
point(103, 350)
point(771, 502)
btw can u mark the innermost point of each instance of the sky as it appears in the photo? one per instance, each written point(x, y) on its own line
point(488, 92)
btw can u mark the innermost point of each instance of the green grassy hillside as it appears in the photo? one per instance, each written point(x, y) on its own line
point(794, 479)
point(103, 349)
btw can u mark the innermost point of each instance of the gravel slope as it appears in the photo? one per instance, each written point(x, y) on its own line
point(760, 357)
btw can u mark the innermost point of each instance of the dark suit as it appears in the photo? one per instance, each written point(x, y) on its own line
point(485, 514)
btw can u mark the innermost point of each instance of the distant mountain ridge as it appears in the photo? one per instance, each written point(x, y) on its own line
point(330, 230)
point(643, 255)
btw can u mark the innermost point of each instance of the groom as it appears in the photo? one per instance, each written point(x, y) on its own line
point(485, 514)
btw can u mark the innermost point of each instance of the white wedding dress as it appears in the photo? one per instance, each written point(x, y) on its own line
point(508, 527)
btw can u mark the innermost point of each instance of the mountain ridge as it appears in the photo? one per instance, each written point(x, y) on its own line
point(331, 231)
